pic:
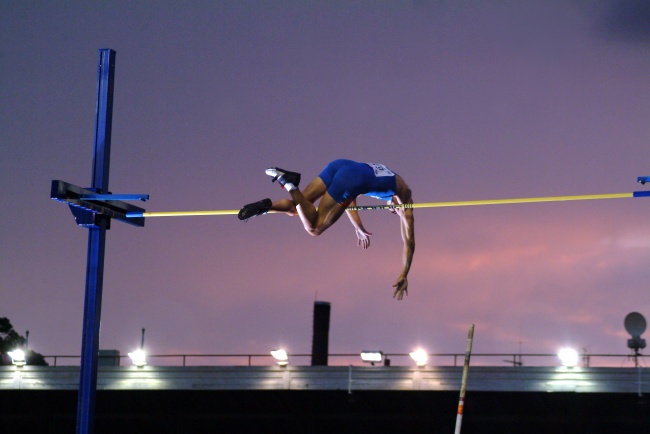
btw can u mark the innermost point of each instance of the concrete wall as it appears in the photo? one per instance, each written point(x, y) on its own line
point(485, 379)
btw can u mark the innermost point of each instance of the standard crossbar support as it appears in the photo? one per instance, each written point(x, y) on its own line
point(96, 196)
point(87, 209)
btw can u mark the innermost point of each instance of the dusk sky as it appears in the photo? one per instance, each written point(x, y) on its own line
point(465, 100)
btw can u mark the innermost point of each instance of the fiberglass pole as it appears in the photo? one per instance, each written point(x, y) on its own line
point(461, 401)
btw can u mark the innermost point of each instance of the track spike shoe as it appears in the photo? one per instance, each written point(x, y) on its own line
point(254, 209)
point(283, 176)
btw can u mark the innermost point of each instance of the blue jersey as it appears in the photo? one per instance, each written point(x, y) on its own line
point(346, 179)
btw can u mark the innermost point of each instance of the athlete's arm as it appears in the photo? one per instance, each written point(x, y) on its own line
point(408, 235)
point(363, 236)
point(407, 228)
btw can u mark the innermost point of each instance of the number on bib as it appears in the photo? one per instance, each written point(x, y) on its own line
point(380, 169)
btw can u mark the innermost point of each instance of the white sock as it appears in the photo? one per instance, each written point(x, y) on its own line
point(289, 186)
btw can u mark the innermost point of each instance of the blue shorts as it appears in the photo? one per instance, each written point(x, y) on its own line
point(347, 179)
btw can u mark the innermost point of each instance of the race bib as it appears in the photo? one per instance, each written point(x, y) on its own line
point(380, 169)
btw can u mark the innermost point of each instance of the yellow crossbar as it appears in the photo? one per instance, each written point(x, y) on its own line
point(415, 205)
point(523, 200)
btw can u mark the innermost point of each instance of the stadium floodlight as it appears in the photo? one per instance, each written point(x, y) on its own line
point(281, 357)
point(372, 357)
point(420, 357)
point(568, 357)
point(139, 357)
point(17, 357)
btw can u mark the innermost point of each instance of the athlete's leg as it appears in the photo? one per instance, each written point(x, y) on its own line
point(284, 205)
point(316, 221)
point(314, 190)
point(310, 194)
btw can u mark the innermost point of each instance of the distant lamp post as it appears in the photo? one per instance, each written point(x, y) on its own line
point(281, 357)
point(568, 357)
point(17, 357)
point(372, 357)
point(139, 357)
point(419, 356)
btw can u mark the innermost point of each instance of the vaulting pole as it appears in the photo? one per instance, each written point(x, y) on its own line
point(461, 401)
point(417, 205)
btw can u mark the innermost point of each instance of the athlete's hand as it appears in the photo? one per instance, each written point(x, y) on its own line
point(401, 287)
point(363, 237)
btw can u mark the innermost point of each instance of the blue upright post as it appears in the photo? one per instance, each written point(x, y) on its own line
point(96, 246)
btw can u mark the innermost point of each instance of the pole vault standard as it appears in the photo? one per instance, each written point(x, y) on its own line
point(93, 208)
point(421, 205)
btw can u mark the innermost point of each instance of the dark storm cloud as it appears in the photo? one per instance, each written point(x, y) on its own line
point(627, 20)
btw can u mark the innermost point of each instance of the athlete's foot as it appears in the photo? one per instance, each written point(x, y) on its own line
point(254, 209)
point(283, 176)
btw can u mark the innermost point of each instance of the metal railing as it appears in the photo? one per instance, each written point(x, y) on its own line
point(440, 359)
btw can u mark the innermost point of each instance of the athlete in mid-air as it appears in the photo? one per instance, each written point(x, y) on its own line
point(338, 186)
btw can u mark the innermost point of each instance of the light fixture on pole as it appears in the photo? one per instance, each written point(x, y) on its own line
point(372, 357)
point(281, 357)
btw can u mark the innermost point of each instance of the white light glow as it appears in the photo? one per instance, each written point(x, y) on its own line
point(419, 356)
point(281, 357)
point(568, 357)
point(17, 357)
point(372, 356)
point(139, 358)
